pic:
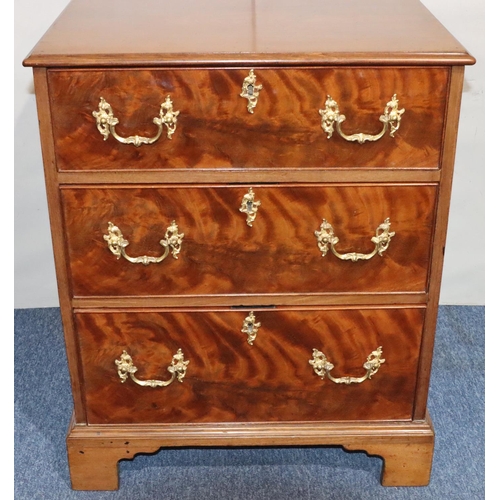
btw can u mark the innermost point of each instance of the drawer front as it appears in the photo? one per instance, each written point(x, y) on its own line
point(229, 380)
point(222, 254)
point(214, 128)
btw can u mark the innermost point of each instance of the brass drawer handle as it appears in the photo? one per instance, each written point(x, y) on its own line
point(331, 116)
point(106, 122)
point(249, 206)
point(322, 367)
point(250, 327)
point(326, 238)
point(250, 91)
point(117, 244)
point(177, 368)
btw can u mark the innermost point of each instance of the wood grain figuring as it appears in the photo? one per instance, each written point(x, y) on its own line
point(228, 380)
point(121, 33)
point(221, 254)
point(215, 130)
point(234, 394)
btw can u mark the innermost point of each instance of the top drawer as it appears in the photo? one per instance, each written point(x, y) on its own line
point(214, 128)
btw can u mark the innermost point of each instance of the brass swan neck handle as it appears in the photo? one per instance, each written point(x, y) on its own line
point(125, 367)
point(326, 239)
point(117, 244)
point(322, 367)
point(331, 117)
point(106, 122)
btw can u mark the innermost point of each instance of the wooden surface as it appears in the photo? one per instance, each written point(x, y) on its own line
point(360, 53)
point(124, 33)
point(215, 130)
point(229, 380)
point(58, 238)
point(221, 254)
point(251, 175)
point(406, 447)
point(249, 299)
point(436, 264)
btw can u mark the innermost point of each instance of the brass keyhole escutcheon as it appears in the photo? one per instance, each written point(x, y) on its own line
point(250, 90)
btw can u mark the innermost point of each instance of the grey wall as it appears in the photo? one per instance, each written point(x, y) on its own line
point(463, 279)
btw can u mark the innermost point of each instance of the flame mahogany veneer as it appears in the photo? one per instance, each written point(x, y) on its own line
point(214, 128)
point(229, 380)
point(221, 254)
point(233, 393)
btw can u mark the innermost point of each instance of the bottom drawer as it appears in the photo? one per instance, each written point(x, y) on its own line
point(229, 379)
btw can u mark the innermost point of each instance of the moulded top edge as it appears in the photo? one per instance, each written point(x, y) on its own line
point(183, 60)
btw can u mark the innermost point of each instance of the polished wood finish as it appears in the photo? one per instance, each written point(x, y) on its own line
point(235, 394)
point(436, 267)
point(268, 299)
point(221, 254)
point(256, 176)
point(123, 33)
point(58, 240)
point(229, 380)
point(215, 130)
point(405, 464)
point(406, 447)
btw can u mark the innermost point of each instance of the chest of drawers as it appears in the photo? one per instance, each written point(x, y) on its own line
point(248, 209)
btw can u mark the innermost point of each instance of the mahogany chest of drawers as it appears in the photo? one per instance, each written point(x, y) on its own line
point(248, 208)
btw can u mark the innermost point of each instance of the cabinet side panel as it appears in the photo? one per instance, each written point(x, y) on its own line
point(57, 231)
point(438, 249)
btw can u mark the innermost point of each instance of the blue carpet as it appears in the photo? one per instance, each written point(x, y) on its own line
point(43, 407)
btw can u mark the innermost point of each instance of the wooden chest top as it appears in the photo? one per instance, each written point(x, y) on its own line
point(224, 32)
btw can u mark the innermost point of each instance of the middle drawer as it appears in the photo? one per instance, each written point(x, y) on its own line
point(257, 239)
